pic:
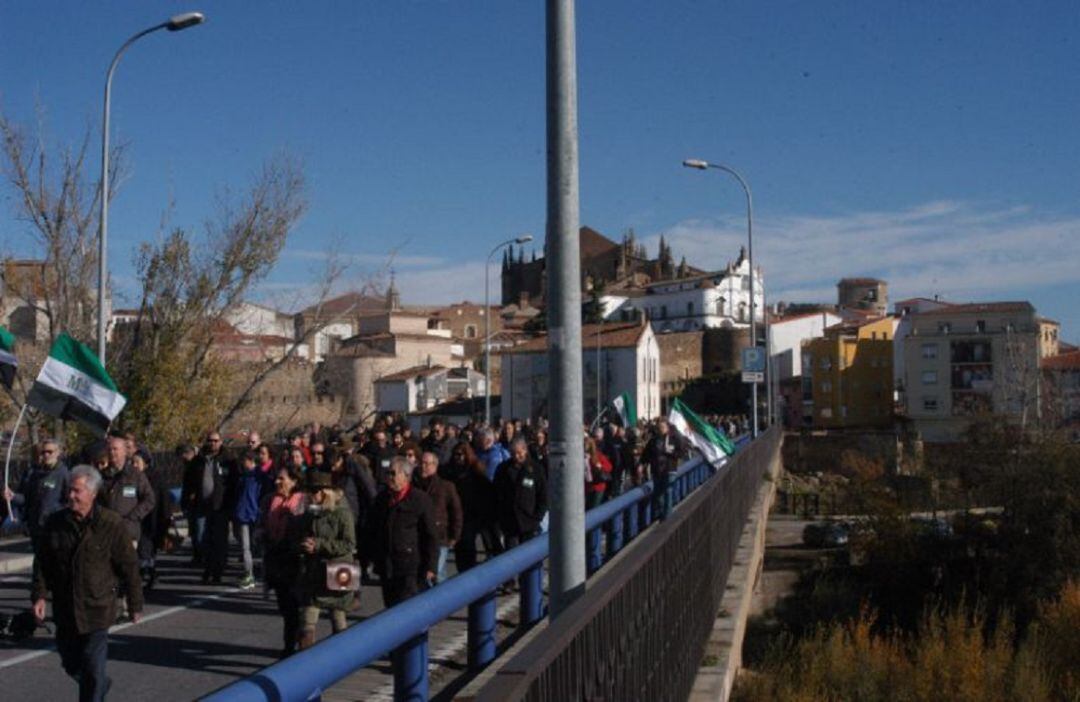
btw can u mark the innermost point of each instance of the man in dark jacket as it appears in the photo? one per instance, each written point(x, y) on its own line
point(520, 495)
point(42, 490)
point(402, 533)
point(446, 508)
point(85, 551)
point(662, 454)
point(379, 454)
point(125, 490)
point(438, 442)
point(215, 504)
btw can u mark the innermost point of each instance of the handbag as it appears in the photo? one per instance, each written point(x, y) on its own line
point(342, 576)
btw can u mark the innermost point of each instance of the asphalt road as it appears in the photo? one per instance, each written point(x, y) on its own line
point(196, 638)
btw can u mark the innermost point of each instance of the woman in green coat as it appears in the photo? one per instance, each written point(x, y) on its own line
point(326, 534)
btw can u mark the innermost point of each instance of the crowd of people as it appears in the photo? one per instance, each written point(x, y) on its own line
point(308, 512)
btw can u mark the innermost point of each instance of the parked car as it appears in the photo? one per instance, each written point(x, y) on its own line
point(825, 535)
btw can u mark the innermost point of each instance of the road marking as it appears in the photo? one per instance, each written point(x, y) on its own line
point(51, 648)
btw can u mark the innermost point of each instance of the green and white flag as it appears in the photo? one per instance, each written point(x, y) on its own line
point(73, 385)
point(624, 405)
point(714, 445)
point(8, 363)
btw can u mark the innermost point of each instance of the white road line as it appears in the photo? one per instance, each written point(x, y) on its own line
point(31, 655)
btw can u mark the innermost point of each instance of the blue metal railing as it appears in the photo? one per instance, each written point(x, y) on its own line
point(401, 631)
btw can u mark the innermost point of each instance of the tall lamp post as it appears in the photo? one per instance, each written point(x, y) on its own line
point(524, 239)
point(703, 165)
point(175, 24)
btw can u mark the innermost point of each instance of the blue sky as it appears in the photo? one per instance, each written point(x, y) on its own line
point(936, 145)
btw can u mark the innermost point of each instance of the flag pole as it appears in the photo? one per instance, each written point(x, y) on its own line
point(7, 461)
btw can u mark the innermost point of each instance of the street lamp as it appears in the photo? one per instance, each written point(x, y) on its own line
point(703, 165)
point(523, 239)
point(174, 24)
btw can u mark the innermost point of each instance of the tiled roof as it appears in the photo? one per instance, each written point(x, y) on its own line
point(349, 303)
point(1063, 361)
point(408, 373)
point(593, 243)
point(612, 336)
point(980, 308)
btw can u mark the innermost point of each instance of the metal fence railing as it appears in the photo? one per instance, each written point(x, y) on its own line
point(640, 630)
point(401, 631)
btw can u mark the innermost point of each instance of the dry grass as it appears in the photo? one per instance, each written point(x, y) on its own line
point(950, 657)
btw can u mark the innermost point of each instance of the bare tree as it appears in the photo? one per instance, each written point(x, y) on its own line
point(176, 388)
point(57, 205)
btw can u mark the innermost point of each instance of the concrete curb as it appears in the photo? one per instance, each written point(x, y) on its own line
point(724, 648)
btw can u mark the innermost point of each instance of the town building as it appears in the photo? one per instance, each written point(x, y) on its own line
point(616, 358)
point(338, 318)
point(605, 265)
point(863, 294)
point(973, 359)
point(702, 301)
point(385, 343)
point(1061, 395)
point(421, 388)
point(786, 335)
point(847, 374)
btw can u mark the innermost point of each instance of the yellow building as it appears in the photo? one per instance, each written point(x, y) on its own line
point(848, 374)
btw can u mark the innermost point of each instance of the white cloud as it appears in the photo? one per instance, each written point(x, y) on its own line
point(959, 250)
point(382, 260)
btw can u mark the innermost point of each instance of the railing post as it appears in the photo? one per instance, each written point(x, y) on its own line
point(646, 511)
point(532, 596)
point(481, 631)
point(410, 662)
point(632, 521)
point(594, 557)
point(615, 534)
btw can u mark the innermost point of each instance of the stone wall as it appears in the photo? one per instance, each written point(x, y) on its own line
point(286, 399)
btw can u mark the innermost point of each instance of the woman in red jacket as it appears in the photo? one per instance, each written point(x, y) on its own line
point(597, 474)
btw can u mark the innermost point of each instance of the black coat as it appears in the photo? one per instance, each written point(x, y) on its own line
point(520, 497)
point(402, 535)
point(664, 453)
point(82, 564)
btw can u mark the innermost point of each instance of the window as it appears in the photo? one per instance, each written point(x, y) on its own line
point(944, 327)
point(826, 413)
point(690, 308)
point(929, 404)
point(663, 312)
point(826, 363)
point(929, 350)
point(721, 306)
point(742, 311)
point(929, 377)
point(746, 282)
point(826, 386)
point(470, 331)
point(980, 326)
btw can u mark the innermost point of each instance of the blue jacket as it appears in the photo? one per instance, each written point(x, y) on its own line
point(249, 489)
point(492, 457)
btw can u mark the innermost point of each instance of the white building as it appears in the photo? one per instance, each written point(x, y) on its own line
point(421, 388)
point(709, 301)
point(786, 336)
point(626, 355)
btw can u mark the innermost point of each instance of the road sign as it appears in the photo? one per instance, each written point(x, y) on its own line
point(753, 376)
point(753, 359)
